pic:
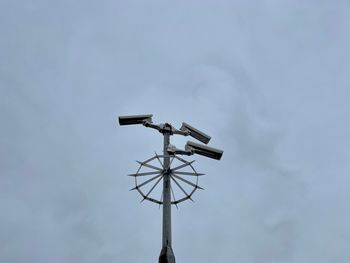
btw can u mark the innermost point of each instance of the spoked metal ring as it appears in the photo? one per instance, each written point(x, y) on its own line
point(184, 179)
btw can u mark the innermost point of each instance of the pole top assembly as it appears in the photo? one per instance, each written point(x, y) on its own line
point(170, 168)
point(185, 130)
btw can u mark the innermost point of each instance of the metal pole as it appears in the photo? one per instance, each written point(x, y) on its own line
point(166, 195)
point(166, 254)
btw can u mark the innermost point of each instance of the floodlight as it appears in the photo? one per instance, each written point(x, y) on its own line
point(134, 119)
point(204, 150)
point(197, 134)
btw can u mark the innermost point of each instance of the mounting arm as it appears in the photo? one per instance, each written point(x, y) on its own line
point(149, 124)
point(165, 127)
point(172, 150)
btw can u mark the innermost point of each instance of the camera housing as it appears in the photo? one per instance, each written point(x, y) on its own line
point(134, 119)
point(204, 150)
point(195, 133)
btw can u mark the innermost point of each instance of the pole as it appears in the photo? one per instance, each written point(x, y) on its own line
point(166, 254)
point(166, 195)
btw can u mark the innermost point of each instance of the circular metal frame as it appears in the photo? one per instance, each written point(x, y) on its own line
point(177, 175)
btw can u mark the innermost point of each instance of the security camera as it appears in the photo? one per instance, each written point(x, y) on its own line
point(134, 119)
point(204, 150)
point(193, 132)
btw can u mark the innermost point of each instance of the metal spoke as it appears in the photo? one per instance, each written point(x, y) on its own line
point(183, 190)
point(150, 159)
point(171, 161)
point(182, 166)
point(172, 192)
point(146, 182)
point(153, 200)
point(159, 160)
point(143, 174)
point(138, 169)
point(188, 182)
point(189, 173)
point(150, 191)
point(150, 166)
point(182, 199)
point(182, 160)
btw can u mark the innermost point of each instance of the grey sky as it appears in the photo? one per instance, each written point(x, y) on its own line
point(268, 80)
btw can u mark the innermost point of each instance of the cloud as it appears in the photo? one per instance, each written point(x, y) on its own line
point(268, 81)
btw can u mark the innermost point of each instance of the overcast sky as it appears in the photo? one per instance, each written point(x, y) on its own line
point(268, 80)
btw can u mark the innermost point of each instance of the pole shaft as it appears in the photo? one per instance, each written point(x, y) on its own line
point(166, 194)
point(166, 254)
